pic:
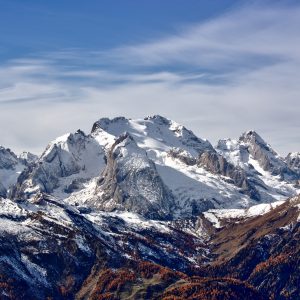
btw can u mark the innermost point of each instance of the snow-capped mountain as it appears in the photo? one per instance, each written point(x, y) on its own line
point(11, 167)
point(268, 172)
point(159, 164)
point(64, 166)
point(144, 209)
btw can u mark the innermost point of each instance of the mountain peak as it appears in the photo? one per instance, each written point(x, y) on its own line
point(252, 136)
point(28, 157)
point(104, 123)
point(268, 159)
point(8, 159)
point(158, 119)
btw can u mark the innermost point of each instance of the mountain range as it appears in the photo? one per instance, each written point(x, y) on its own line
point(145, 209)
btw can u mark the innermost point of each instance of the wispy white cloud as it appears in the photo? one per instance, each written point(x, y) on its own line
point(250, 36)
point(221, 77)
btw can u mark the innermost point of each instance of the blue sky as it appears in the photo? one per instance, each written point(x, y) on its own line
point(31, 26)
point(218, 67)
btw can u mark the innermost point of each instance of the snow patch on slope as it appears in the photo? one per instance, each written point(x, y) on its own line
point(215, 216)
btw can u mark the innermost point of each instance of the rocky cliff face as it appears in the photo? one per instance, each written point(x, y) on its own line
point(8, 159)
point(217, 164)
point(3, 190)
point(131, 182)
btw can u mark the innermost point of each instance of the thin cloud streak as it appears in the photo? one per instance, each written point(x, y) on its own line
point(250, 35)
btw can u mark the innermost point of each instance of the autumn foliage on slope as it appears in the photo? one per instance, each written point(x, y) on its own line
point(212, 289)
point(146, 280)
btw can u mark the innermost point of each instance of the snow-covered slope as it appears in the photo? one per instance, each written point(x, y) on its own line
point(219, 217)
point(47, 244)
point(155, 134)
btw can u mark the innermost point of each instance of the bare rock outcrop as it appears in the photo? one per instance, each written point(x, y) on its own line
point(130, 182)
